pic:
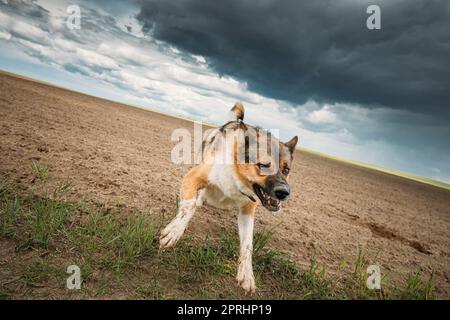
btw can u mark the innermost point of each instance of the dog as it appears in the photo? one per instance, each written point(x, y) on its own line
point(240, 165)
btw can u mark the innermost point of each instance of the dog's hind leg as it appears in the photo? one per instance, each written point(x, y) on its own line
point(190, 198)
point(245, 276)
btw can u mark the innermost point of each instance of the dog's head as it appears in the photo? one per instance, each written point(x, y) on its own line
point(261, 162)
point(267, 172)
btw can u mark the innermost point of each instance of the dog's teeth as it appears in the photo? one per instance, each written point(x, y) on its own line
point(274, 202)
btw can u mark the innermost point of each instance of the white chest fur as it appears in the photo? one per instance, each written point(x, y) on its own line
point(224, 190)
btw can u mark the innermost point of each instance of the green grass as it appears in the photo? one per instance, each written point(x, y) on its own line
point(417, 288)
point(118, 254)
point(152, 290)
point(121, 242)
point(10, 210)
point(40, 171)
point(40, 272)
point(34, 221)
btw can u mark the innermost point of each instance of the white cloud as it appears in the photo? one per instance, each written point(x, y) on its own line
point(322, 116)
point(130, 25)
point(23, 29)
point(5, 35)
point(199, 59)
point(92, 58)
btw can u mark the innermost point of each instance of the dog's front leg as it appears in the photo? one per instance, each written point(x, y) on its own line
point(245, 276)
point(189, 199)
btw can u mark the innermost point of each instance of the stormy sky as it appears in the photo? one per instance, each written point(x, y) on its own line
point(310, 68)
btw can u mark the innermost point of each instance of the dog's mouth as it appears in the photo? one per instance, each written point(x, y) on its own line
point(267, 201)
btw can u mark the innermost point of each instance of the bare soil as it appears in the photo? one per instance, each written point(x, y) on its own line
point(117, 154)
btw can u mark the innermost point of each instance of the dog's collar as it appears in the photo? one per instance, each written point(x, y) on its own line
point(250, 197)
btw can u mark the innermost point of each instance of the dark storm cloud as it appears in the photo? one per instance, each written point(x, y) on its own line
point(299, 50)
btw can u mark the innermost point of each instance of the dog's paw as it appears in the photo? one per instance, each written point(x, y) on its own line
point(247, 281)
point(171, 234)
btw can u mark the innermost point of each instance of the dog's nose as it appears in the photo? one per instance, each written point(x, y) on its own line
point(281, 193)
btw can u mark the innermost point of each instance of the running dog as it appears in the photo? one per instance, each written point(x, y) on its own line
point(239, 164)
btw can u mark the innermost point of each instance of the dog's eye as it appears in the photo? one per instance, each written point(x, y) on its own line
point(263, 165)
point(286, 170)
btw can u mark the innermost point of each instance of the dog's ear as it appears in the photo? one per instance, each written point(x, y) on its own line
point(291, 144)
point(237, 112)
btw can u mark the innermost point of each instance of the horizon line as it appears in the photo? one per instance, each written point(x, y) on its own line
point(375, 167)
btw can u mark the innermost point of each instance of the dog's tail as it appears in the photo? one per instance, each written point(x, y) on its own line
point(237, 112)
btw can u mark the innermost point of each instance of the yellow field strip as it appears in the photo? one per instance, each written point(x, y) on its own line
point(394, 172)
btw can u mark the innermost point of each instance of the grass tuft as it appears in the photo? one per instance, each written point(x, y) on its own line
point(10, 208)
point(417, 288)
point(120, 242)
point(45, 218)
point(40, 171)
point(39, 272)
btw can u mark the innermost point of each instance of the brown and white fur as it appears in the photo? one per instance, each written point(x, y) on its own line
point(223, 181)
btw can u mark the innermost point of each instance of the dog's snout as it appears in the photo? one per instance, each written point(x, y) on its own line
point(282, 193)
